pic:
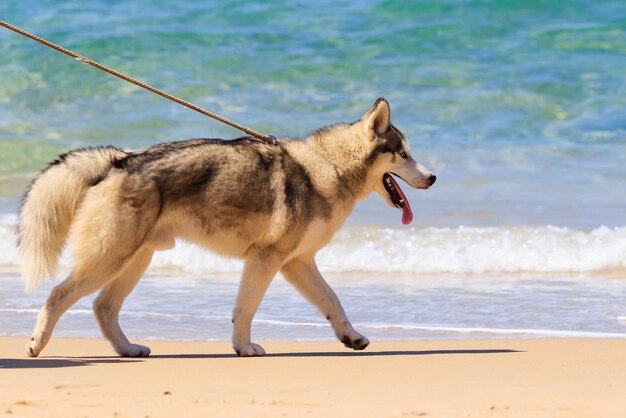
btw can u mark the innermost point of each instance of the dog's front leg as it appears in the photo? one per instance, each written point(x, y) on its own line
point(304, 276)
point(260, 268)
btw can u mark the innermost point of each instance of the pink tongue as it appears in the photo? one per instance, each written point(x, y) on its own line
point(407, 213)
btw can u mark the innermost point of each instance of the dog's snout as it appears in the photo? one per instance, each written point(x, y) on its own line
point(432, 179)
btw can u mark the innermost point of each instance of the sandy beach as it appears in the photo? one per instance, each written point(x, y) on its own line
point(472, 378)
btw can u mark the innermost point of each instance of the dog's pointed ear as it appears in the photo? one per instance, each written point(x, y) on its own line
point(378, 117)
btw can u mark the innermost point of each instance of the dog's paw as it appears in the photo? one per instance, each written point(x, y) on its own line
point(358, 342)
point(133, 350)
point(32, 348)
point(249, 350)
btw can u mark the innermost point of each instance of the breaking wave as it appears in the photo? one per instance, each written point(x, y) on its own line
point(368, 248)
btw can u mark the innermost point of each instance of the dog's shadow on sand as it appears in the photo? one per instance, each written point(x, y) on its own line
point(58, 362)
point(346, 354)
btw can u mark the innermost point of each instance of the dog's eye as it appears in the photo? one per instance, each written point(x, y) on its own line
point(402, 154)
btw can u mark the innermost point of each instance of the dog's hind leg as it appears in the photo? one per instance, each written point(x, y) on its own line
point(259, 270)
point(110, 226)
point(107, 305)
point(304, 276)
point(80, 283)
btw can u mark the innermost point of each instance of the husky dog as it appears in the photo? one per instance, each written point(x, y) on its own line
point(273, 205)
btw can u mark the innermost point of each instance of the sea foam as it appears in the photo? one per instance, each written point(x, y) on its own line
point(368, 248)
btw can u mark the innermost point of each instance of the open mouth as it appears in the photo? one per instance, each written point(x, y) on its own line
point(398, 198)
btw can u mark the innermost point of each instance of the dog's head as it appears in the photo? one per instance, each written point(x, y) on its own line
point(390, 155)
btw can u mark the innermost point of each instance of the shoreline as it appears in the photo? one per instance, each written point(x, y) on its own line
point(514, 377)
point(405, 308)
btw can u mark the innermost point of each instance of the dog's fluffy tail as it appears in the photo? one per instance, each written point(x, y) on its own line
point(49, 205)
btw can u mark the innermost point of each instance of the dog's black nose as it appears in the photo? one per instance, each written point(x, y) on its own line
point(432, 179)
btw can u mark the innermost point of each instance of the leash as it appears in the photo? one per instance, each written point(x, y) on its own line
point(251, 132)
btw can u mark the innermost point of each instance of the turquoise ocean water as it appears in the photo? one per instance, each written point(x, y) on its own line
point(519, 107)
